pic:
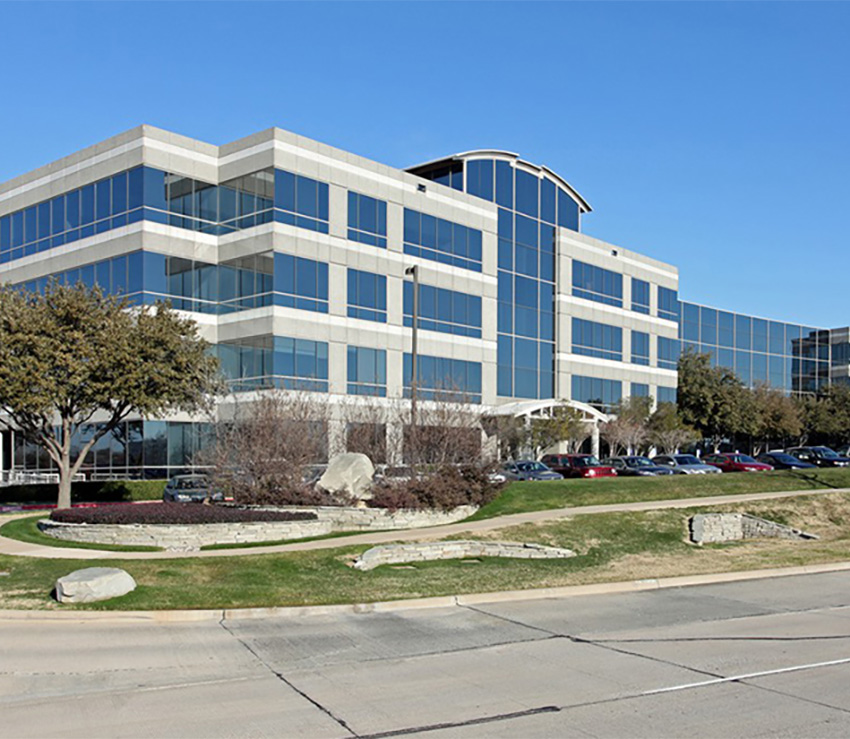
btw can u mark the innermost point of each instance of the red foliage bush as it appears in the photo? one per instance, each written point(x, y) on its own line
point(446, 488)
point(178, 513)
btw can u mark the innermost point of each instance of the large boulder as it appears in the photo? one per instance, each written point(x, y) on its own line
point(350, 474)
point(92, 584)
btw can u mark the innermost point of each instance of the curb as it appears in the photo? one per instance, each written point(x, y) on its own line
point(443, 601)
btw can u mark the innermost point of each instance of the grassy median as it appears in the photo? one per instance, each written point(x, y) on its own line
point(610, 547)
point(521, 497)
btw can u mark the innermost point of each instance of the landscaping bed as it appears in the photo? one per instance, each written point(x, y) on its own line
point(174, 513)
point(609, 547)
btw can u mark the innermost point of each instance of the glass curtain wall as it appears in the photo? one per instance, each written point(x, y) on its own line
point(787, 356)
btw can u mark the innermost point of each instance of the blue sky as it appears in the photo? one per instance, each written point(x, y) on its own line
point(710, 135)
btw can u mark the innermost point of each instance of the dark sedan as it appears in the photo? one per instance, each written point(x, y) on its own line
point(782, 461)
point(636, 466)
point(820, 456)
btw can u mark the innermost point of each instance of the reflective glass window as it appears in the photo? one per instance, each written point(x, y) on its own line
point(668, 352)
point(725, 329)
point(443, 378)
point(367, 371)
point(595, 283)
point(603, 394)
point(666, 394)
point(504, 184)
point(298, 283)
point(567, 211)
point(640, 348)
point(640, 296)
point(367, 296)
point(479, 178)
point(743, 332)
point(442, 241)
point(444, 310)
point(599, 340)
point(668, 304)
point(639, 390)
point(527, 193)
point(548, 200)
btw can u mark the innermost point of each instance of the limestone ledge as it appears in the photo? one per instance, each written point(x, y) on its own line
point(437, 550)
point(712, 528)
point(191, 537)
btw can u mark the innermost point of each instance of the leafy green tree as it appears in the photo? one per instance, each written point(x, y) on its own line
point(775, 416)
point(73, 356)
point(712, 399)
point(833, 418)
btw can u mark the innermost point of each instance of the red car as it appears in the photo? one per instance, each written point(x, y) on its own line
point(578, 465)
point(736, 463)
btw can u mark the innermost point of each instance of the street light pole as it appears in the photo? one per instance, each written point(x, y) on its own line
point(414, 352)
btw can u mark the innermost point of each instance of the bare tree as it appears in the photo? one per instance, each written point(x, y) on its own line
point(510, 432)
point(446, 431)
point(668, 431)
point(563, 424)
point(262, 451)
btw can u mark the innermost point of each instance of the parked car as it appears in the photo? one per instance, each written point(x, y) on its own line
point(783, 461)
point(843, 450)
point(820, 456)
point(685, 464)
point(190, 489)
point(526, 469)
point(632, 466)
point(578, 465)
point(736, 462)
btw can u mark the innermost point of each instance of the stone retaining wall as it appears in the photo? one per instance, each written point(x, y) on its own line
point(190, 537)
point(711, 528)
point(429, 551)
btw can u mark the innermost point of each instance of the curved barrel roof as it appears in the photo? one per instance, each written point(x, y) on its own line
point(510, 156)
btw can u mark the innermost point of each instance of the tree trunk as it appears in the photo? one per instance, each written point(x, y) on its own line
point(64, 500)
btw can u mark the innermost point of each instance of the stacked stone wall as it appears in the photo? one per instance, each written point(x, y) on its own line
point(189, 537)
point(436, 550)
point(713, 528)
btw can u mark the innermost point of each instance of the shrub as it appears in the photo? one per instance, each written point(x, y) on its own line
point(448, 487)
point(92, 492)
point(177, 513)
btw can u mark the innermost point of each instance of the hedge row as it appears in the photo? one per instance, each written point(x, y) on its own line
point(85, 492)
point(174, 513)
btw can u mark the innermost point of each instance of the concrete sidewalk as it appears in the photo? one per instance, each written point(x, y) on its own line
point(23, 549)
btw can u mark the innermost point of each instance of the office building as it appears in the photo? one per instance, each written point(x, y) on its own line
point(294, 258)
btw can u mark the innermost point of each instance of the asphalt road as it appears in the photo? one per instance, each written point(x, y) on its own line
point(760, 658)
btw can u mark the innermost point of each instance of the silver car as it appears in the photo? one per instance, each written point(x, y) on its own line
point(685, 464)
point(189, 489)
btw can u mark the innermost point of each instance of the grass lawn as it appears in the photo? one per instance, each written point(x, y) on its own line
point(610, 547)
point(521, 497)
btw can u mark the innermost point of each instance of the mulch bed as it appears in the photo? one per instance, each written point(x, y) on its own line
point(175, 513)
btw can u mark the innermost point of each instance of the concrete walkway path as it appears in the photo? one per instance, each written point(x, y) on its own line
point(24, 549)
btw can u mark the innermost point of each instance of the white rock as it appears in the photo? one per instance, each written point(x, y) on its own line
point(349, 473)
point(92, 584)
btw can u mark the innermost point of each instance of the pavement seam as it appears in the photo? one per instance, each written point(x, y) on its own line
point(459, 724)
point(285, 681)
